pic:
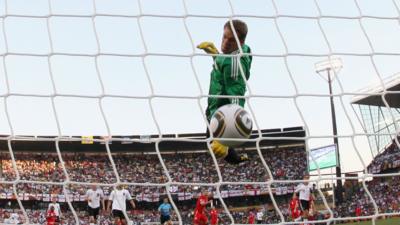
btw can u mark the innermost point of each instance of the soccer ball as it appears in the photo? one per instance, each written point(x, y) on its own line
point(231, 121)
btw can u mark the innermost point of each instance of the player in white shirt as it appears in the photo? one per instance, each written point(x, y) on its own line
point(11, 218)
point(305, 194)
point(118, 197)
point(93, 197)
point(260, 216)
point(57, 209)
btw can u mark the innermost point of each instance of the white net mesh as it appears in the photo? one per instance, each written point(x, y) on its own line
point(131, 68)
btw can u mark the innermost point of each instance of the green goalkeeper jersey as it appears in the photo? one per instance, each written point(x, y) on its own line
point(227, 79)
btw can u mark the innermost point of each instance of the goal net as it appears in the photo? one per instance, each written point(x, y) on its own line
point(114, 93)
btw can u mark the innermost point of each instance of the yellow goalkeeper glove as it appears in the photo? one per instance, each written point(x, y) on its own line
point(219, 150)
point(208, 47)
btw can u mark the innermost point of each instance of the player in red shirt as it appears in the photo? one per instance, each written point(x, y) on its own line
point(294, 207)
point(358, 212)
point(200, 217)
point(51, 216)
point(252, 217)
point(214, 216)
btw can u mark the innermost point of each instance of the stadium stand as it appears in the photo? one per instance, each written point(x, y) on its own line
point(386, 160)
point(288, 162)
point(140, 168)
point(43, 165)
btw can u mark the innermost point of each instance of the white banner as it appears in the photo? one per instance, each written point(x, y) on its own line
point(185, 196)
point(77, 198)
point(81, 198)
point(224, 194)
point(284, 190)
point(21, 196)
point(278, 191)
point(46, 197)
point(10, 195)
point(151, 197)
point(235, 193)
point(26, 196)
point(38, 197)
point(61, 198)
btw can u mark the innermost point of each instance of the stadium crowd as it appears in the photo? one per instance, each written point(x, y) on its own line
point(388, 159)
point(141, 168)
point(146, 168)
point(187, 167)
point(385, 192)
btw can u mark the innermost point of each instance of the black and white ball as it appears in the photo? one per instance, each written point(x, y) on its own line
point(231, 121)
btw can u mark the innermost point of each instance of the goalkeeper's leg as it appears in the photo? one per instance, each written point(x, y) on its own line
point(234, 158)
point(228, 154)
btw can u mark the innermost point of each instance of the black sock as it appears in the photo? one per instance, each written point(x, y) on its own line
point(233, 157)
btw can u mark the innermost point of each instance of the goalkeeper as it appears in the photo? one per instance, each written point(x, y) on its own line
point(227, 79)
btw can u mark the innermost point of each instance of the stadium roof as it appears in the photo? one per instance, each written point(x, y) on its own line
point(376, 118)
point(130, 144)
point(392, 84)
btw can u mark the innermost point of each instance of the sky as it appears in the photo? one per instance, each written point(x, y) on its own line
point(69, 61)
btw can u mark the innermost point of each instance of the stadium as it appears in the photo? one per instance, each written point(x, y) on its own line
point(89, 163)
point(190, 112)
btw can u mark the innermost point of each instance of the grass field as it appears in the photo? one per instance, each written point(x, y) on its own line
point(390, 221)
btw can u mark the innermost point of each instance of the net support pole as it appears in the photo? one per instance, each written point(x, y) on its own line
point(339, 186)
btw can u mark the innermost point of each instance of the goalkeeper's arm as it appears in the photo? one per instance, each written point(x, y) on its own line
point(208, 47)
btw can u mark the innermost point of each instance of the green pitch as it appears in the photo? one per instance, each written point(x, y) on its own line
point(390, 221)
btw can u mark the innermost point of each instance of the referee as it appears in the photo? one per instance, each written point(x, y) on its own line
point(304, 191)
point(165, 211)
